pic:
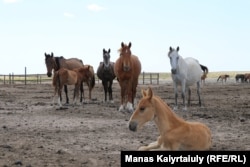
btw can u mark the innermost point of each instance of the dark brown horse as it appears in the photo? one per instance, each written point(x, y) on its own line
point(55, 63)
point(75, 77)
point(127, 70)
point(240, 77)
point(105, 72)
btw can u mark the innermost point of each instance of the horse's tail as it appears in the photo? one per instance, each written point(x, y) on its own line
point(204, 69)
point(92, 81)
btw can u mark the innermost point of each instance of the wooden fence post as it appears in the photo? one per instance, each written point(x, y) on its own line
point(25, 75)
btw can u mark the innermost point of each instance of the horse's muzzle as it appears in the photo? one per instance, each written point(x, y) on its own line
point(173, 71)
point(133, 126)
point(126, 68)
point(49, 74)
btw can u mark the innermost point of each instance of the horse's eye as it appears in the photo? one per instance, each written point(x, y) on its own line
point(142, 109)
point(178, 58)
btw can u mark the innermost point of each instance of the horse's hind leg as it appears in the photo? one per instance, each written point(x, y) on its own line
point(81, 90)
point(189, 96)
point(198, 92)
point(66, 92)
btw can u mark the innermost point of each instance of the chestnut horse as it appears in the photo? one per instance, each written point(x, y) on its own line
point(127, 70)
point(55, 63)
point(175, 132)
point(105, 72)
point(75, 77)
point(204, 75)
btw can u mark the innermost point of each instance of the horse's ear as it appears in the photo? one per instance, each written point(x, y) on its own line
point(103, 50)
point(52, 54)
point(177, 48)
point(45, 54)
point(144, 93)
point(170, 49)
point(129, 45)
point(122, 44)
point(109, 50)
point(150, 93)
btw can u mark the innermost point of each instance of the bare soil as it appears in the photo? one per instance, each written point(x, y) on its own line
point(35, 133)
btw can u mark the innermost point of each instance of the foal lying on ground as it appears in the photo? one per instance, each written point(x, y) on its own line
point(175, 133)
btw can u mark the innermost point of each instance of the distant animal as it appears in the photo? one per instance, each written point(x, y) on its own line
point(223, 77)
point(240, 77)
point(75, 77)
point(203, 78)
point(175, 132)
point(204, 75)
point(55, 63)
point(127, 70)
point(247, 77)
point(105, 72)
point(184, 72)
point(91, 82)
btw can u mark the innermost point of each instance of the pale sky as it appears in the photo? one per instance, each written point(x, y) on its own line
point(216, 32)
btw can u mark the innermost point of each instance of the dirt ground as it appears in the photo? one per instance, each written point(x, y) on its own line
point(34, 133)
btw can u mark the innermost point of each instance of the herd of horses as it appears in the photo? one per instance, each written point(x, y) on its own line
point(126, 69)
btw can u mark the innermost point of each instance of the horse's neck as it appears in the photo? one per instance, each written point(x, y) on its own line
point(62, 62)
point(165, 119)
point(182, 65)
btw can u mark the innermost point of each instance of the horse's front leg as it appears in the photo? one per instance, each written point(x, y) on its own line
point(104, 84)
point(175, 95)
point(198, 92)
point(76, 93)
point(130, 97)
point(183, 95)
point(123, 90)
point(110, 90)
point(152, 146)
point(189, 96)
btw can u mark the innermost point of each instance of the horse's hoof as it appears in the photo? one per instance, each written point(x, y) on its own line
point(121, 109)
point(175, 108)
point(130, 107)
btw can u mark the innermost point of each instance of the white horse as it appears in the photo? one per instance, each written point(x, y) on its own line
point(185, 72)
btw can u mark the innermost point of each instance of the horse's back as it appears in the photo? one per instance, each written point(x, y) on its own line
point(72, 63)
point(194, 70)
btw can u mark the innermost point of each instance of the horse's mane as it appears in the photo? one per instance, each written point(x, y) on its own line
point(57, 61)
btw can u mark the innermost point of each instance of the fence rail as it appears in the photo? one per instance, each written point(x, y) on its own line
point(144, 78)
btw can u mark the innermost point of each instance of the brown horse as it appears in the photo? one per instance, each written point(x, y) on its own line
point(55, 63)
point(223, 77)
point(127, 70)
point(90, 82)
point(175, 132)
point(247, 77)
point(240, 77)
point(75, 77)
point(105, 72)
point(203, 78)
